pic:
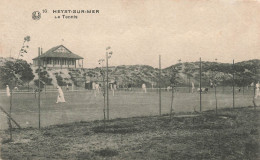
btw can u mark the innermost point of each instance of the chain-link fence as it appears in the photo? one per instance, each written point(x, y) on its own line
point(86, 105)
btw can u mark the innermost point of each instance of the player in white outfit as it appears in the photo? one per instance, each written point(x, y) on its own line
point(193, 87)
point(144, 88)
point(257, 92)
point(8, 91)
point(60, 97)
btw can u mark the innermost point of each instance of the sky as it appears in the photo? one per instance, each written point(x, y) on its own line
point(138, 31)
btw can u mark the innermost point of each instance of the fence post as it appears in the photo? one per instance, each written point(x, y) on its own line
point(254, 89)
point(189, 83)
point(39, 89)
point(9, 119)
point(160, 98)
point(233, 84)
point(254, 81)
point(200, 86)
point(107, 87)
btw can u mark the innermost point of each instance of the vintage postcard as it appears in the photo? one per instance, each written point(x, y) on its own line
point(129, 79)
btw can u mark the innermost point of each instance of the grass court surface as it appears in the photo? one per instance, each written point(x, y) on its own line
point(84, 106)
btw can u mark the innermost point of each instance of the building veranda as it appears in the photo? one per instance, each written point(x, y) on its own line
point(58, 57)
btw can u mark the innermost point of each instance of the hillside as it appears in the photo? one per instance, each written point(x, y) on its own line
point(138, 74)
point(188, 72)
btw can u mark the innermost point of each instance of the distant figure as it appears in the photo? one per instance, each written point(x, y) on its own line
point(8, 91)
point(67, 87)
point(257, 92)
point(144, 87)
point(93, 85)
point(94, 88)
point(111, 86)
point(60, 97)
point(16, 88)
point(97, 88)
point(211, 85)
point(257, 85)
point(129, 86)
point(239, 89)
point(115, 87)
point(203, 90)
point(193, 87)
point(169, 88)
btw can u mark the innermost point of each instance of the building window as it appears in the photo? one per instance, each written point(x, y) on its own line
point(48, 61)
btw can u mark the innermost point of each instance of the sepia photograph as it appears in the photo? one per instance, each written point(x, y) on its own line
point(130, 79)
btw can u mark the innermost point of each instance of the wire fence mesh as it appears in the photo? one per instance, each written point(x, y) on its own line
point(86, 105)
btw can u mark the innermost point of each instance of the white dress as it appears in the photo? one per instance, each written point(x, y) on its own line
point(93, 85)
point(8, 91)
point(60, 97)
point(257, 92)
point(193, 87)
point(144, 88)
point(97, 88)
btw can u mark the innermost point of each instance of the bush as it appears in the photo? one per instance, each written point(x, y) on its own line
point(60, 80)
point(44, 77)
point(36, 83)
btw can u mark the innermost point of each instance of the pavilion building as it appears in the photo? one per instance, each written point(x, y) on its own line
point(58, 57)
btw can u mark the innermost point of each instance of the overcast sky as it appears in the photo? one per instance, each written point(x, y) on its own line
point(137, 30)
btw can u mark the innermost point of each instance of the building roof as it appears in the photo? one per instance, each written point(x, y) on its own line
point(58, 52)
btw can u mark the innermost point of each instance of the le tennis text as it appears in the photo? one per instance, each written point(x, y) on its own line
point(66, 17)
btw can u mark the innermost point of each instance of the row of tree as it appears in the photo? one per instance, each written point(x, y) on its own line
point(15, 73)
point(19, 73)
point(245, 72)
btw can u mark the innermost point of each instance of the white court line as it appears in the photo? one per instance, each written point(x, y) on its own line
point(27, 110)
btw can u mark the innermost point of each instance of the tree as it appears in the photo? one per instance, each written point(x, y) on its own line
point(216, 76)
point(188, 72)
point(174, 80)
point(36, 83)
point(27, 75)
point(8, 74)
point(24, 47)
point(60, 80)
point(15, 72)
